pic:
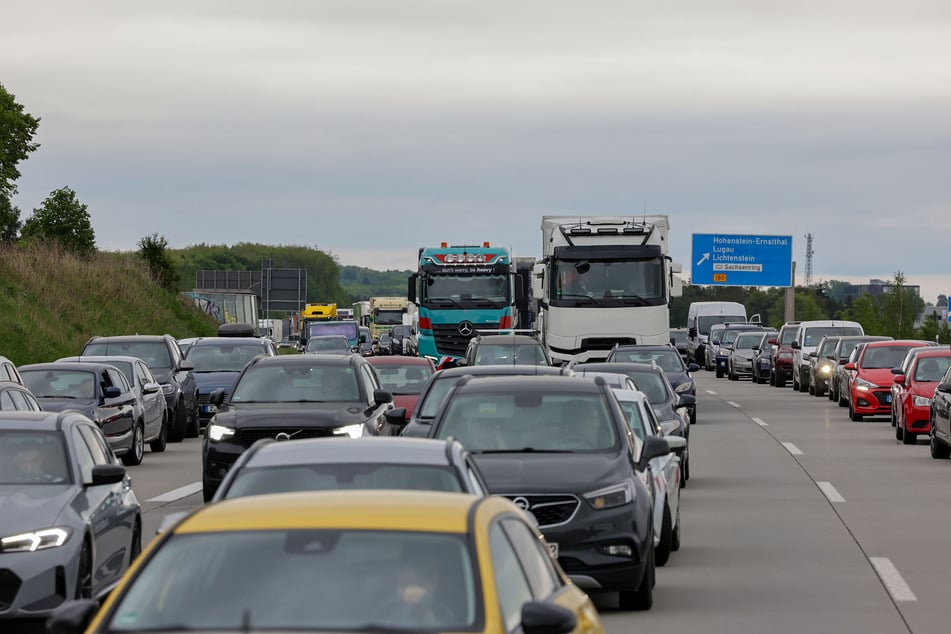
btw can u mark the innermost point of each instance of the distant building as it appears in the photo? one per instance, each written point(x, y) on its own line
point(939, 310)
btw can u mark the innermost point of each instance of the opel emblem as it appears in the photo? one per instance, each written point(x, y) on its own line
point(282, 436)
point(521, 503)
point(465, 328)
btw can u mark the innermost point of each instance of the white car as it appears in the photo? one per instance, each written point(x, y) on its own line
point(664, 472)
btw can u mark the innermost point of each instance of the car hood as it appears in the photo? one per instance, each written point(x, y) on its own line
point(32, 506)
point(290, 415)
point(85, 405)
point(162, 375)
point(209, 381)
point(882, 377)
point(745, 354)
point(923, 388)
point(555, 473)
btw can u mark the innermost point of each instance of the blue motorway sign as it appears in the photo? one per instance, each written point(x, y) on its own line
point(741, 260)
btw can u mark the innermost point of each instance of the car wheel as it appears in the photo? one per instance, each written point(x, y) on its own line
point(643, 597)
point(939, 451)
point(853, 416)
point(719, 372)
point(693, 415)
point(193, 429)
point(84, 574)
point(135, 549)
point(819, 391)
point(909, 438)
point(811, 388)
point(732, 375)
point(843, 402)
point(158, 445)
point(663, 548)
point(176, 427)
point(134, 456)
point(830, 393)
point(675, 535)
point(780, 381)
point(899, 432)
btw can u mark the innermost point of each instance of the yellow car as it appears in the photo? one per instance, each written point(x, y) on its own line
point(344, 561)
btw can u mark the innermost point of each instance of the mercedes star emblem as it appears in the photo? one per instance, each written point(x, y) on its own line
point(465, 328)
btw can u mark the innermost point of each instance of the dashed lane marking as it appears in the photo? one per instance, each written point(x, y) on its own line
point(760, 422)
point(892, 579)
point(793, 449)
point(830, 492)
point(177, 494)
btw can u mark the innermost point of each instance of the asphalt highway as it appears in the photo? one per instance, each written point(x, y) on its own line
point(795, 519)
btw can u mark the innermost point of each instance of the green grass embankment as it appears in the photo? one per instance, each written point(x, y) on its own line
point(52, 301)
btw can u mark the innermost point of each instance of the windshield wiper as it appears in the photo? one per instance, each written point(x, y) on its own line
point(578, 296)
point(632, 299)
point(524, 450)
point(445, 300)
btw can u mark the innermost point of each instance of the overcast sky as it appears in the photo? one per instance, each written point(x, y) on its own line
point(370, 129)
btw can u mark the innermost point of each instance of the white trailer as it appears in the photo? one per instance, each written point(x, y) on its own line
point(604, 280)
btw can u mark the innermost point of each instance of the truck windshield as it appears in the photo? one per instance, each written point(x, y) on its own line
point(468, 288)
point(383, 317)
point(640, 281)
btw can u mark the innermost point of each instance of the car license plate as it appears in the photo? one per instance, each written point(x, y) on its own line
point(553, 547)
point(208, 409)
point(888, 398)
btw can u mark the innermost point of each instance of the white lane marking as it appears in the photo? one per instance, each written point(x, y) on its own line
point(177, 494)
point(760, 422)
point(733, 403)
point(711, 392)
point(892, 579)
point(793, 449)
point(830, 492)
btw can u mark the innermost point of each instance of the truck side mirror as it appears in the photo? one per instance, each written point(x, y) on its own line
point(411, 287)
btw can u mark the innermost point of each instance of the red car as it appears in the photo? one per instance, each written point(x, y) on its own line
point(870, 392)
point(404, 377)
point(915, 387)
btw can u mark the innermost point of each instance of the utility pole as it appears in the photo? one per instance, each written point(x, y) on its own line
point(809, 254)
point(791, 296)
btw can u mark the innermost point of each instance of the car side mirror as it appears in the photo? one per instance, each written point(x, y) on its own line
point(216, 397)
point(186, 365)
point(382, 396)
point(112, 392)
point(107, 474)
point(693, 367)
point(151, 388)
point(692, 333)
point(897, 371)
point(850, 366)
point(685, 400)
point(539, 617)
point(795, 345)
point(900, 379)
point(677, 444)
point(396, 417)
point(944, 388)
point(72, 617)
point(654, 447)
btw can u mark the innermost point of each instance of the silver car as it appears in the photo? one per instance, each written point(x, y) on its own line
point(71, 523)
point(664, 470)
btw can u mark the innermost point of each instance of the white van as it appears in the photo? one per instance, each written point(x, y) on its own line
point(810, 333)
point(702, 315)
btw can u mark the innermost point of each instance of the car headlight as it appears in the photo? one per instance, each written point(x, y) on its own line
point(353, 431)
point(612, 496)
point(863, 385)
point(686, 386)
point(825, 370)
point(168, 389)
point(670, 426)
point(922, 401)
point(35, 540)
point(220, 432)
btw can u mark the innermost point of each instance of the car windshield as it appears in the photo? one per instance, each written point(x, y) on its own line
point(333, 476)
point(201, 581)
point(812, 336)
point(788, 336)
point(296, 383)
point(705, 323)
point(328, 344)
point(715, 331)
point(347, 330)
point(667, 360)
point(403, 379)
point(538, 421)
point(635, 418)
point(827, 347)
point(932, 369)
point(75, 384)
point(32, 457)
point(881, 357)
point(155, 354)
point(846, 349)
point(222, 357)
point(510, 354)
point(748, 341)
point(652, 385)
point(679, 336)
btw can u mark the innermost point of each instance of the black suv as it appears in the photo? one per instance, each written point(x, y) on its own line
point(505, 350)
point(560, 448)
point(292, 397)
point(669, 359)
point(164, 358)
point(403, 340)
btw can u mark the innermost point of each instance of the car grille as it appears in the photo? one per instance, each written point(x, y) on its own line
point(549, 510)
point(881, 396)
point(571, 565)
point(249, 436)
point(449, 341)
point(9, 586)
